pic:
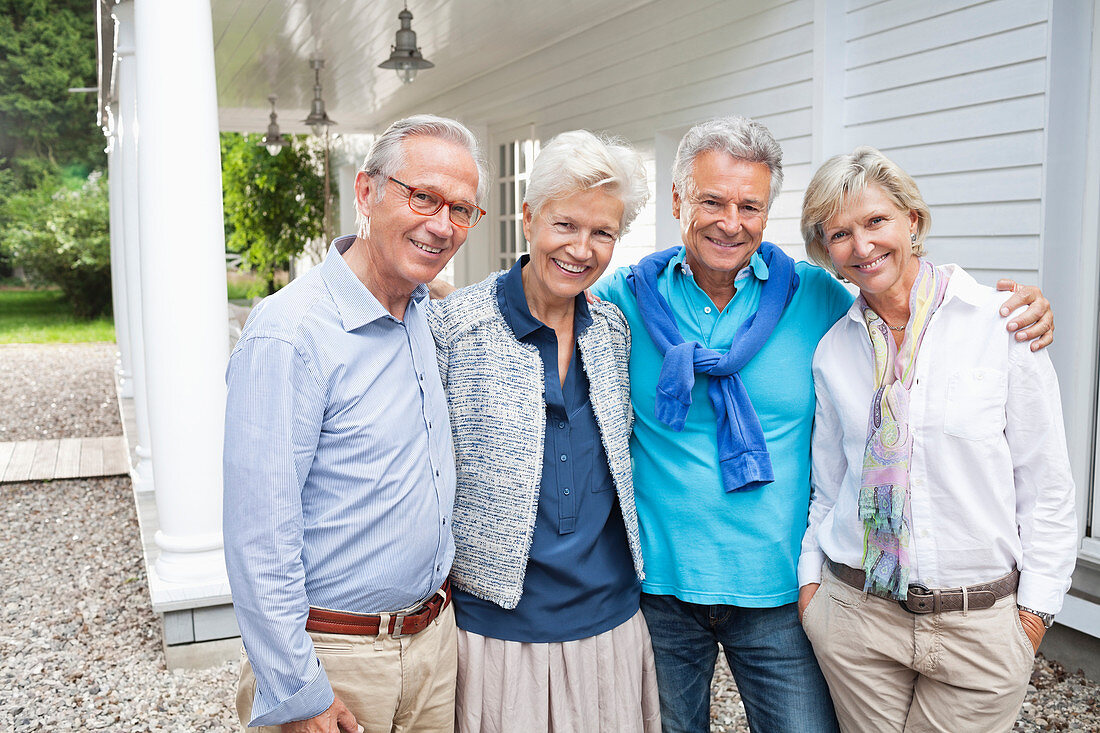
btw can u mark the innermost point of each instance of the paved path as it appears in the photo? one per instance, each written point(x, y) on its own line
point(39, 460)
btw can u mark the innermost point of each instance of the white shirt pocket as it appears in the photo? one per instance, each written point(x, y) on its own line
point(975, 407)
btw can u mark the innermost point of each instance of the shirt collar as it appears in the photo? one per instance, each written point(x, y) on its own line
point(356, 304)
point(756, 268)
point(962, 286)
point(518, 315)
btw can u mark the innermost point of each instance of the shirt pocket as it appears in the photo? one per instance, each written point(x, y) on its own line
point(975, 408)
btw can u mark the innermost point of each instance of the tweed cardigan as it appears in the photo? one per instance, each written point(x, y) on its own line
point(494, 385)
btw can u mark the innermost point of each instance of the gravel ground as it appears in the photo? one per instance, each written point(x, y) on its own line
point(80, 647)
point(57, 391)
point(79, 644)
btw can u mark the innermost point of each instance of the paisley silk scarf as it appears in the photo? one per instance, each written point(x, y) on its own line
point(884, 499)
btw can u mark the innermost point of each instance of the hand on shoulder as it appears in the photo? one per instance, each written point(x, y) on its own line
point(1037, 322)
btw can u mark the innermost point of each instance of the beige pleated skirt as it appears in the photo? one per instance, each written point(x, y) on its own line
point(604, 683)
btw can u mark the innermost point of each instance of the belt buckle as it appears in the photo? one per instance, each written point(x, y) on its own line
point(400, 618)
point(398, 623)
point(922, 593)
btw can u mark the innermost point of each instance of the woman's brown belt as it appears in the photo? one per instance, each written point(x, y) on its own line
point(921, 600)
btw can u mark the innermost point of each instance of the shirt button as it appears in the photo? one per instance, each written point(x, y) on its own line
point(438, 568)
point(706, 309)
point(561, 425)
point(429, 425)
point(421, 375)
point(444, 520)
point(565, 491)
point(437, 472)
point(564, 458)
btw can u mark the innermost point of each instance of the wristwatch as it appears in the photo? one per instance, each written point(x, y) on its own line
point(1046, 618)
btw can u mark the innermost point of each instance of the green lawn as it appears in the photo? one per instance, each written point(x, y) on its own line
point(43, 316)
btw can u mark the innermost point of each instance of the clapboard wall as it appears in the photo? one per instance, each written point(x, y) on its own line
point(955, 93)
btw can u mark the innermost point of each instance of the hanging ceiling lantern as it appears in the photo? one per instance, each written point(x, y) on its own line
point(318, 119)
point(405, 57)
point(274, 140)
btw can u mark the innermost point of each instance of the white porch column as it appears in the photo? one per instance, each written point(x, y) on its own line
point(127, 131)
point(183, 272)
point(124, 370)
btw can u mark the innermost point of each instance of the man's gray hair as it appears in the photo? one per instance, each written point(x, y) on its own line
point(387, 155)
point(740, 137)
point(577, 161)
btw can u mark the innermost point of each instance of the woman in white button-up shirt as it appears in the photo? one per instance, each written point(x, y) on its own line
point(941, 532)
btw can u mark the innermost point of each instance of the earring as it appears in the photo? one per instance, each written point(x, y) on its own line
point(913, 238)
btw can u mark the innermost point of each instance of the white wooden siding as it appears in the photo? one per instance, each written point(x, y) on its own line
point(955, 93)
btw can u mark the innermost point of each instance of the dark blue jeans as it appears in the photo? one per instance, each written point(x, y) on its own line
point(770, 657)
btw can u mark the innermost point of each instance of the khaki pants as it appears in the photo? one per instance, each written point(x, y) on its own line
point(402, 684)
point(890, 670)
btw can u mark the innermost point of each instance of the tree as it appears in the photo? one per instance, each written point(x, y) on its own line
point(274, 204)
point(46, 47)
point(49, 138)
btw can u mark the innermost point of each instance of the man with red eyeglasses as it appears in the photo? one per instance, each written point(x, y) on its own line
point(339, 468)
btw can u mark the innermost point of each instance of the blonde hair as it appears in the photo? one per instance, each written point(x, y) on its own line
point(849, 175)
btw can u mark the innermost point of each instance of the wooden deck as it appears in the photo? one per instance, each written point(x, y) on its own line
point(39, 460)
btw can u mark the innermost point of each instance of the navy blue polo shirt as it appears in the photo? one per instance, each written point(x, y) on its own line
point(580, 577)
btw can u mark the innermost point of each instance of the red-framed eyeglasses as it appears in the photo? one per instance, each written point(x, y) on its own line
point(427, 202)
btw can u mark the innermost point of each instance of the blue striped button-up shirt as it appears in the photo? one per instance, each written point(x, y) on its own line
point(339, 473)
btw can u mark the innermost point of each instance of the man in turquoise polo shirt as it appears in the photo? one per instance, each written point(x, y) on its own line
point(722, 500)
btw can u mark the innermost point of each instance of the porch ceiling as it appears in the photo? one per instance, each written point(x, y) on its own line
point(263, 47)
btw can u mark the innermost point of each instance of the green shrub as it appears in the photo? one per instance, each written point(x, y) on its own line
point(61, 236)
point(274, 205)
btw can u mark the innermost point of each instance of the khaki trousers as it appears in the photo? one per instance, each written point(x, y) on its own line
point(890, 670)
point(390, 685)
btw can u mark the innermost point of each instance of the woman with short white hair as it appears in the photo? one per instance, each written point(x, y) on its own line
point(547, 559)
point(941, 532)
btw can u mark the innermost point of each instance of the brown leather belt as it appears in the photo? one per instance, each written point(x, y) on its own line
point(364, 624)
point(921, 600)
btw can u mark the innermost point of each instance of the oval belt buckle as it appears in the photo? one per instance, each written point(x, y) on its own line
point(925, 599)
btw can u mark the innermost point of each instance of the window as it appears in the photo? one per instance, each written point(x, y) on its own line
point(516, 158)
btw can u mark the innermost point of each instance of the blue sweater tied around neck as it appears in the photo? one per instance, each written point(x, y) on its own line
point(742, 451)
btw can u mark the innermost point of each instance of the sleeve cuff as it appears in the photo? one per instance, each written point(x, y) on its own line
point(315, 697)
point(1040, 593)
point(809, 567)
